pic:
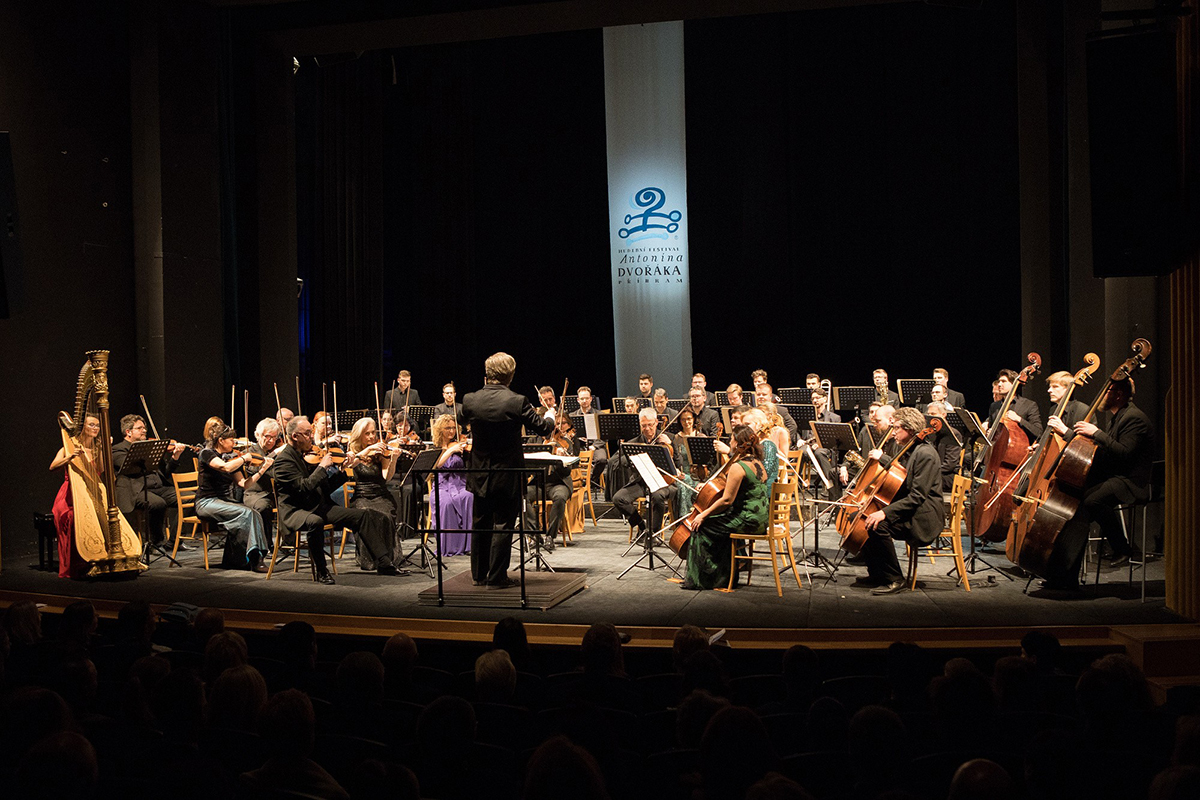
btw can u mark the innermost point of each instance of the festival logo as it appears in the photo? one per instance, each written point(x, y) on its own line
point(651, 221)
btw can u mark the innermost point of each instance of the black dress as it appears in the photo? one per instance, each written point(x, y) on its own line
point(371, 492)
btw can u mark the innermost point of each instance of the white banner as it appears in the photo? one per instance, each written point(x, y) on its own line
point(647, 204)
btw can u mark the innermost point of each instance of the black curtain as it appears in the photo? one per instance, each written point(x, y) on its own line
point(339, 226)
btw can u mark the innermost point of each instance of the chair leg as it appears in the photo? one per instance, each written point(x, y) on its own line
point(787, 540)
point(732, 564)
point(296, 555)
point(960, 561)
point(775, 565)
point(275, 552)
point(914, 555)
point(204, 542)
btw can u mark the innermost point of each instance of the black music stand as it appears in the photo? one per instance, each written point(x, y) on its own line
point(422, 465)
point(662, 459)
point(618, 426)
point(536, 447)
point(570, 403)
point(801, 413)
point(535, 553)
point(794, 395)
point(916, 392)
point(853, 398)
point(420, 418)
point(677, 405)
point(722, 398)
point(839, 438)
point(974, 430)
point(346, 419)
point(143, 459)
point(703, 450)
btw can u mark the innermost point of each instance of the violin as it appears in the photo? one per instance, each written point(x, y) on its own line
point(317, 454)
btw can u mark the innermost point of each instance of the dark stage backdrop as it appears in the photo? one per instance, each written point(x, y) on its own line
point(852, 186)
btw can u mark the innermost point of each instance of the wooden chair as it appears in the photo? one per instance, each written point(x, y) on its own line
point(777, 537)
point(282, 535)
point(799, 468)
point(186, 484)
point(347, 498)
point(953, 532)
point(582, 487)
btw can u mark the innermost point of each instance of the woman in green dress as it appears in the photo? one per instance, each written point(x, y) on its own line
point(741, 508)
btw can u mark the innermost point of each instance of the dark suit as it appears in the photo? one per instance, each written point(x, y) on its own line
point(442, 408)
point(893, 399)
point(792, 428)
point(151, 491)
point(558, 492)
point(706, 421)
point(496, 415)
point(1026, 409)
point(823, 454)
point(955, 398)
point(949, 451)
point(396, 399)
point(916, 514)
point(304, 505)
point(626, 499)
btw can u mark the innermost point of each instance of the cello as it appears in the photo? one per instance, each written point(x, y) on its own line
point(1006, 455)
point(706, 493)
point(877, 490)
point(1057, 503)
point(1035, 480)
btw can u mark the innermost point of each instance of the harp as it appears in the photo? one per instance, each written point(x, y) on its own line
point(102, 534)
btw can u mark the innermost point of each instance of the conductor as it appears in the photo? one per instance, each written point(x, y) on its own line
point(495, 415)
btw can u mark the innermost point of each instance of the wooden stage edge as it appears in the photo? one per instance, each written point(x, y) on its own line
point(1138, 640)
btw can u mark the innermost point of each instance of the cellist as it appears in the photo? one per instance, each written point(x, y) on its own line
point(915, 513)
point(1120, 473)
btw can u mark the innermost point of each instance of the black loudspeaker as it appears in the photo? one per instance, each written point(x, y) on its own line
point(1140, 220)
point(10, 241)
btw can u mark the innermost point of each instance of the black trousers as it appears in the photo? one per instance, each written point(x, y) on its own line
point(879, 551)
point(660, 502)
point(495, 518)
point(373, 530)
point(157, 503)
point(1100, 506)
point(558, 495)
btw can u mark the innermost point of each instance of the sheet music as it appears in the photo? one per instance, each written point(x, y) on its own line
point(566, 461)
point(648, 471)
point(591, 430)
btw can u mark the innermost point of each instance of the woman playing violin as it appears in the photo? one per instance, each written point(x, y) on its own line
point(689, 472)
point(451, 504)
point(374, 464)
point(758, 420)
point(220, 470)
point(741, 508)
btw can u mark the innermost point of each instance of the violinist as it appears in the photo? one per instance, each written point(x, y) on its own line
point(646, 385)
point(452, 506)
point(221, 468)
point(741, 508)
point(70, 563)
point(1023, 411)
point(706, 418)
point(448, 406)
point(701, 383)
point(403, 395)
point(766, 423)
point(374, 465)
point(626, 498)
point(1057, 385)
point(151, 491)
point(1120, 474)
point(282, 418)
point(323, 435)
point(659, 403)
point(259, 495)
point(915, 514)
point(597, 446)
point(764, 394)
point(387, 425)
point(211, 426)
point(558, 484)
point(549, 407)
point(735, 397)
point(305, 506)
point(404, 433)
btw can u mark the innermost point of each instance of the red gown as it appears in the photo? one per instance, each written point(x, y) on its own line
point(70, 563)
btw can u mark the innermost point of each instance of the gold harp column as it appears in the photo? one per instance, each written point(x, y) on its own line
point(1182, 545)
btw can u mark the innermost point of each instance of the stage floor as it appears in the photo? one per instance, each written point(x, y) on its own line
point(642, 597)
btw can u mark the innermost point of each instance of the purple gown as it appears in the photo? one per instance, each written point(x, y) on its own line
point(456, 505)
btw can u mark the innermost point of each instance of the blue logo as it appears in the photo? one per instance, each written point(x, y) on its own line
point(651, 222)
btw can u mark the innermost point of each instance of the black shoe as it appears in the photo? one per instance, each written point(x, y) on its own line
point(864, 583)
point(856, 561)
point(1119, 561)
point(506, 583)
point(1056, 586)
point(325, 578)
point(260, 568)
point(889, 588)
point(391, 570)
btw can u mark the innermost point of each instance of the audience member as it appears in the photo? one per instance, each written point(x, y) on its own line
point(288, 727)
point(509, 635)
point(981, 779)
point(495, 677)
point(560, 769)
point(695, 712)
point(399, 657)
point(735, 753)
point(61, 766)
point(224, 651)
point(236, 699)
point(688, 640)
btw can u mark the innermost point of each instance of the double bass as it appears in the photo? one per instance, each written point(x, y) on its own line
point(1056, 503)
point(1035, 480)
point(102, 534)
point(875, 487)
point(1006, 455)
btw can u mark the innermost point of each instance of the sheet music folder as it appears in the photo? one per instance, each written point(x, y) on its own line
point(658, 453)
point(618, 426)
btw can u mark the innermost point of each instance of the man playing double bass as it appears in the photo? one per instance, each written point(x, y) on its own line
point(1120, 474)
point(1023, 411)
point(915, 513)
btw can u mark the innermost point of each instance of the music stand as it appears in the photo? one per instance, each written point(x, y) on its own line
point(143, 459)
point(722, 398)
point(618, 426)
point(570, 403)
point(703, 450)
point(420, 417)
point(801, 413)
point(346, 419)
point(662, 459)
point(948, 427)
point(793, 395)
point(853, 398)
point(916, 392)
point(535, 553)
point(677, 405)
point(422, 465)
point(536, 447)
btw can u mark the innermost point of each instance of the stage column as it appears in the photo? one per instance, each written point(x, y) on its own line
point(647, 201)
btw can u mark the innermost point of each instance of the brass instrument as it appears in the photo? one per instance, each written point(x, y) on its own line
point(102, 534)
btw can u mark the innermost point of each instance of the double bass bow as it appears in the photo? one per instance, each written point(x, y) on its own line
point(1056, 504)
point(1007, 452)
